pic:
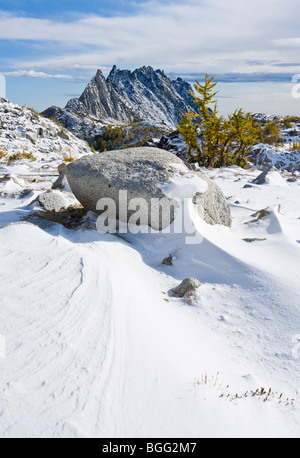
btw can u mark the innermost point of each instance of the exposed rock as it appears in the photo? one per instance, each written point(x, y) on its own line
point(213, 204)
point(76, 106)
point(188, 286)
point(32, 136)
point(60, 182)
point(80, 125)
point(62, 167)
point(41, 132)
point(141, 95)
point(261, 179)
point(52, 201)
point(292, 180)
point(249, 240)
point(294, 167)
point(138, 171)
point(293, 133)
point(141, 172)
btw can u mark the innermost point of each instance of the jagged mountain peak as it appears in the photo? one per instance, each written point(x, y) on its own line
point(99, 75)
point(143, 94)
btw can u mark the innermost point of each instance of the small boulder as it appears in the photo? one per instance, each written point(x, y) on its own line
point(32, 136)
point(212, 205)
point(62, 167)
point(261, 179)
point(52, 201)
point(41, 133)
point(188, 286)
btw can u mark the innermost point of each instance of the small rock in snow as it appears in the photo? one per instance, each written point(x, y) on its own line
point(189, 285)
point(52, 201)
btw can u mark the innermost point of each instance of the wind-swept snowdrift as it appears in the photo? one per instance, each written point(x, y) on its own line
point(96, 347)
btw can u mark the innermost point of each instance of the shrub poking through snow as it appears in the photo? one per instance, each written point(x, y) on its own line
point(69, 158)
point(168, 261)
point(20, 156)
point(3, 153)
point(271, 133)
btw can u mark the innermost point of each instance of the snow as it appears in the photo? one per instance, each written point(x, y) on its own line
point(275, 179)
point(183, 186)
point(96, 347)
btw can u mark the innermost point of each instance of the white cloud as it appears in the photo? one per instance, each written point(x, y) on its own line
point(34, 74)
point(288, 42)
point(186, 36)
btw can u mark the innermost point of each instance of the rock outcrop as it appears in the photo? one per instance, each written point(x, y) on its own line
point(141, 95)
point(188, 286)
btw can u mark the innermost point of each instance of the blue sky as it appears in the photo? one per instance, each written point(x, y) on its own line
point(56, 8)
point(50, 50)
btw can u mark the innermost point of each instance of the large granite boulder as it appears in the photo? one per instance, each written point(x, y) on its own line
point(147, 173)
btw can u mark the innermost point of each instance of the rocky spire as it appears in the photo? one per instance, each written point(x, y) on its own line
point(144, 94)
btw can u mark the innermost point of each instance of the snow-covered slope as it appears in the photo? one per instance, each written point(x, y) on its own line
point(97, 348)
point(280, 157)
point(22, 130)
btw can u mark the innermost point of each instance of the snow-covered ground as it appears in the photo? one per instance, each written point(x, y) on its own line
point(95, 345)
point(97, 348)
